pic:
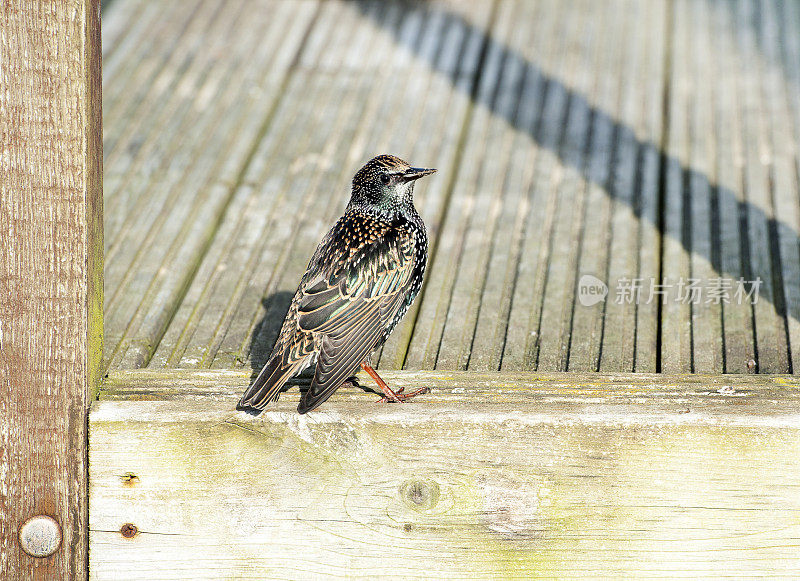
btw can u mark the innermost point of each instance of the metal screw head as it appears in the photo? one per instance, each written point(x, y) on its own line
point(40, 536)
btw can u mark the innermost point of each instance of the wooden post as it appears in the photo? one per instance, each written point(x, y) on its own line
point(51, 285)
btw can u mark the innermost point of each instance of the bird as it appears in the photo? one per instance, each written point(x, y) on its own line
point(358, 285)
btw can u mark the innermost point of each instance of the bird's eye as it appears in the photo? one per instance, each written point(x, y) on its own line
point(385, 178)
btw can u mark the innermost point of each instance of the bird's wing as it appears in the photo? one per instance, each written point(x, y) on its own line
point(285, 362)
point(360, 284)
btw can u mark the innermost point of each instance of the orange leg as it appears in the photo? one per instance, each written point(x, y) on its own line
point(388, 394)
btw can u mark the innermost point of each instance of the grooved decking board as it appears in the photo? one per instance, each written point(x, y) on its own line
point(706, 316)
point(770, 334)
point(629, 329)
point(477, 195)
point(444, 124)
point(676, 328)
point(118, 24)
point(232, 130)
point(782, 29)
point(586, 330)
point(737, 318)
point(167, 45)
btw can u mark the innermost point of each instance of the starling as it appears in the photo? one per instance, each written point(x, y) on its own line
point(359, 283)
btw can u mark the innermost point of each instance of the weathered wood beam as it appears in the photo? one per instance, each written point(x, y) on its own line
point(50, 277)
point(491, 475)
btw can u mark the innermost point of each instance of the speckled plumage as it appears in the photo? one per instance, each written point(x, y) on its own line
point(358, 285)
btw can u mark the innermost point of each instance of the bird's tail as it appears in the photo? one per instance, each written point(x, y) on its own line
point(269, 382)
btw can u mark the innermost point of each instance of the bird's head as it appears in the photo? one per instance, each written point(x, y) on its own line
point(386, 184)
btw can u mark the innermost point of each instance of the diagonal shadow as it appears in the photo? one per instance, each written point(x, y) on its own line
point(767, 229)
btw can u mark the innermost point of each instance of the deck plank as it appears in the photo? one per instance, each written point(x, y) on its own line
point(624, 315)
point(586, 330)
point(285, 254)
point(737, 317)
point(144, 88)
point(156, 130)
point(441, 125)
point(707, 344)
point(430, 310)
point(476, 192)
point(770, 334)
point(649, 130)
point(675, 315)
point(118, 23)
point(125, 28)
point(521, 341)
point(494, 308)
point(559, 290)
point(380, 105)
point(148, 213)
point(780, 87)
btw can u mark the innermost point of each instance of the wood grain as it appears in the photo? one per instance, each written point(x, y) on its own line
point(51, 256)
point(707, 335)
point(586, 330)
point(490, 476)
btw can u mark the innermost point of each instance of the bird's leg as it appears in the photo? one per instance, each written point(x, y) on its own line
point(388, 394)
point(387, 391)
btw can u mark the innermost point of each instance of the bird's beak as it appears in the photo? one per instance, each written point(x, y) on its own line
point(414, 173)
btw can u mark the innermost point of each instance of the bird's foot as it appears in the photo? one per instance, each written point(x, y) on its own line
point(401, 397)
point(388, 394)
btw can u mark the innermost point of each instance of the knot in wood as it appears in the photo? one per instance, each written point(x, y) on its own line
point(420, 494)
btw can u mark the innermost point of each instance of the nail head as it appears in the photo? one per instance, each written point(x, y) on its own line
point(40, 536)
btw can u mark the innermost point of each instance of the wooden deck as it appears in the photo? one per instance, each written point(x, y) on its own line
point(646, 147)
point(624, 140)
